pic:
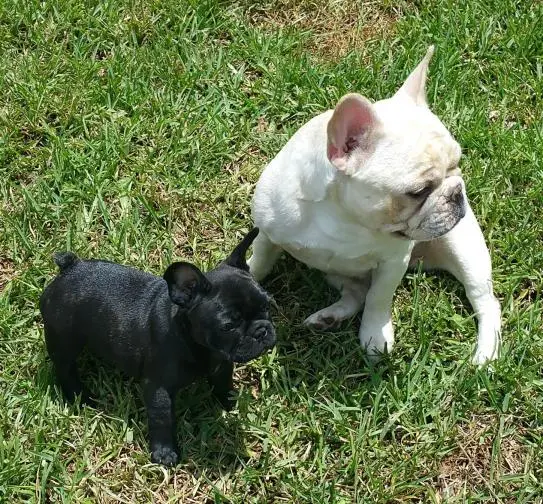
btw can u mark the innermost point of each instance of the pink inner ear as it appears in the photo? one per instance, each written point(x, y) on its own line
point(334, 152)
point(352, 119)
point(348, 128)
point(358, 120)
point(351, 143)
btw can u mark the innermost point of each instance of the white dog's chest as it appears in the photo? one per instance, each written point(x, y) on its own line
point(347, 255)
point(330, 262)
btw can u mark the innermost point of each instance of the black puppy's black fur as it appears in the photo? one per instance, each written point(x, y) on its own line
point(167, 331)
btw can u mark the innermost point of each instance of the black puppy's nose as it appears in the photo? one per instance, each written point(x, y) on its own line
point(260, 333)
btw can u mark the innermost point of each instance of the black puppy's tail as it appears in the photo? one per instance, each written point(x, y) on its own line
point(65, 260)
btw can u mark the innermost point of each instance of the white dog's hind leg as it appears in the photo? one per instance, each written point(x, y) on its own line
point(463, 253)
point(265, 255)
point(353, 294)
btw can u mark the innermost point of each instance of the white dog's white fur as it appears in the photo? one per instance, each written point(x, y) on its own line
point(362, 191)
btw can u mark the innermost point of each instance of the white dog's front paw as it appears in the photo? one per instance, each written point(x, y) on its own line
point(485, 355)
point(489, 336)
point(376, 339)
point(322, 320)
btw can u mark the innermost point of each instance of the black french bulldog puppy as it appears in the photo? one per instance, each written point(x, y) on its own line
point(167, 331)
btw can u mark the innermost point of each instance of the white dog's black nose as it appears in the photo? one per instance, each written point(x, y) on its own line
point(457, 199)
point(456, 194)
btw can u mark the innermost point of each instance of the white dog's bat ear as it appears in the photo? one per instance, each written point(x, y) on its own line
point(415, 85)
point(349, 128)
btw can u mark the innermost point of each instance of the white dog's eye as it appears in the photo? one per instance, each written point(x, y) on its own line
point(421, 193)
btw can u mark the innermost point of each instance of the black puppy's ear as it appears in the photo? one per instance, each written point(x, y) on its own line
point(237, 257)
point(185, 281)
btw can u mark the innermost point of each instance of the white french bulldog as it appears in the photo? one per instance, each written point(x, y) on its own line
point(365, 190)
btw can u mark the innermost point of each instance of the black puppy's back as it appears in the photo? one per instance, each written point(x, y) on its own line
point(105, 306)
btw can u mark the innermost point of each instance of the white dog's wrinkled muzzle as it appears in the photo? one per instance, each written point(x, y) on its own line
point(440, 213)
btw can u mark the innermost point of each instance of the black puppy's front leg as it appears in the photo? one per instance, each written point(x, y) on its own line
point(161, 418)
point(221, 380)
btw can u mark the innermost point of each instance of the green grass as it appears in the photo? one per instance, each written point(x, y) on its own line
point(135, 131)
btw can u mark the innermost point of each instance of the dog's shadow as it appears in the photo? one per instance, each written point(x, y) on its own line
point(309, 357)
point(207, 437)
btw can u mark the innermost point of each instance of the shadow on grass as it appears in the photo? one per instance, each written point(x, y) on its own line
point(207, 437)
point(328, 367)
point(335, 357)
point(311, 356)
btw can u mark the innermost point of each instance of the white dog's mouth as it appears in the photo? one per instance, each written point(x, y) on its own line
point(440, 214)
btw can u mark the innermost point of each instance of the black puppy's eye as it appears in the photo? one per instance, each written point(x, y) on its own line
point(229, 326)
point(234, 320)
point(420, 193)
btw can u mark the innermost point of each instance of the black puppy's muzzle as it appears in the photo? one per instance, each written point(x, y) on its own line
point(259, 337)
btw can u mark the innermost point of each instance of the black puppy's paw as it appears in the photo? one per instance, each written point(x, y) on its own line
point(227, 399)
point(164, 455)
point(80, 399)
point(87, 400)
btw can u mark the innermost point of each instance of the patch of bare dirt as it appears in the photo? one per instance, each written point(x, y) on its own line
point(484, 460)
point(336, 26)
point(7, 272)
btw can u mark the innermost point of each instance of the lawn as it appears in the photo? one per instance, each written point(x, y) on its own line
point(135, 131)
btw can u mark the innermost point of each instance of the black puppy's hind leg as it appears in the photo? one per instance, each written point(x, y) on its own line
point(64, 357)
point(161, 419)
point(221, 380)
